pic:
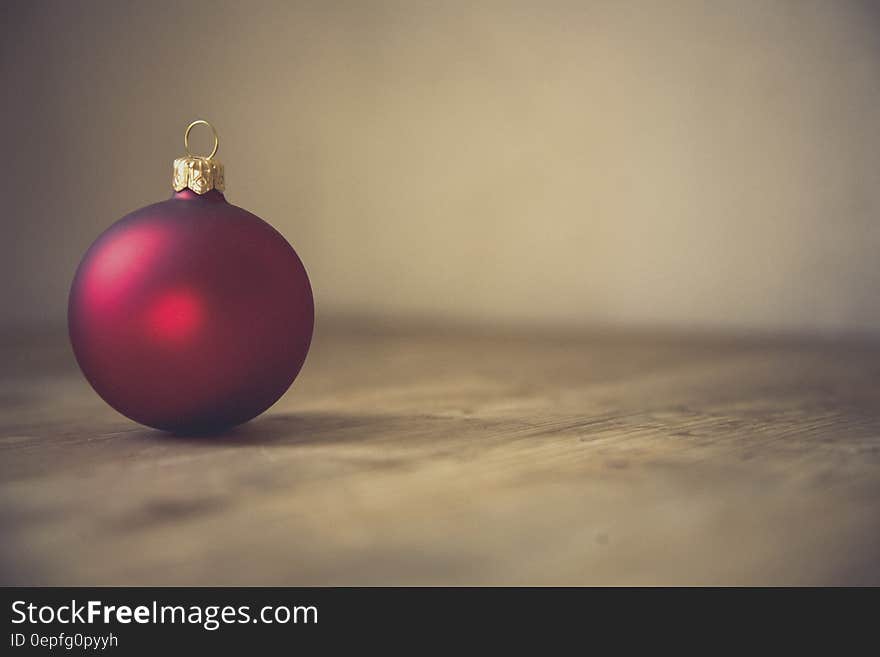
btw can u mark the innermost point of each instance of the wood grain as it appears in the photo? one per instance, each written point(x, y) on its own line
point(432, 456)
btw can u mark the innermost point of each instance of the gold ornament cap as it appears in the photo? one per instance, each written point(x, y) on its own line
point(198, 172)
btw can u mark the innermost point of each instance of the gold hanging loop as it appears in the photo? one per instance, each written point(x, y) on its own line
point(186, 138)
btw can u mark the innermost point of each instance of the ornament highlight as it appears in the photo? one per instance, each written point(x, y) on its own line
point(191, 314)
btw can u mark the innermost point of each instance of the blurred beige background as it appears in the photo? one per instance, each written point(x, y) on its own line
point(688, 164)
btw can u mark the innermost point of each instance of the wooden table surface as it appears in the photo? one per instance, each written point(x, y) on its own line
point(431, 456)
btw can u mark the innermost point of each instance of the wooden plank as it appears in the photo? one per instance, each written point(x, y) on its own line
point(448, 457)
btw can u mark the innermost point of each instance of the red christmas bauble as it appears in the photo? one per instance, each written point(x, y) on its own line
point(191, 315)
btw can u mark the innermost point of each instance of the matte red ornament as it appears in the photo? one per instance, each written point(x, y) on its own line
point(192, 314)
